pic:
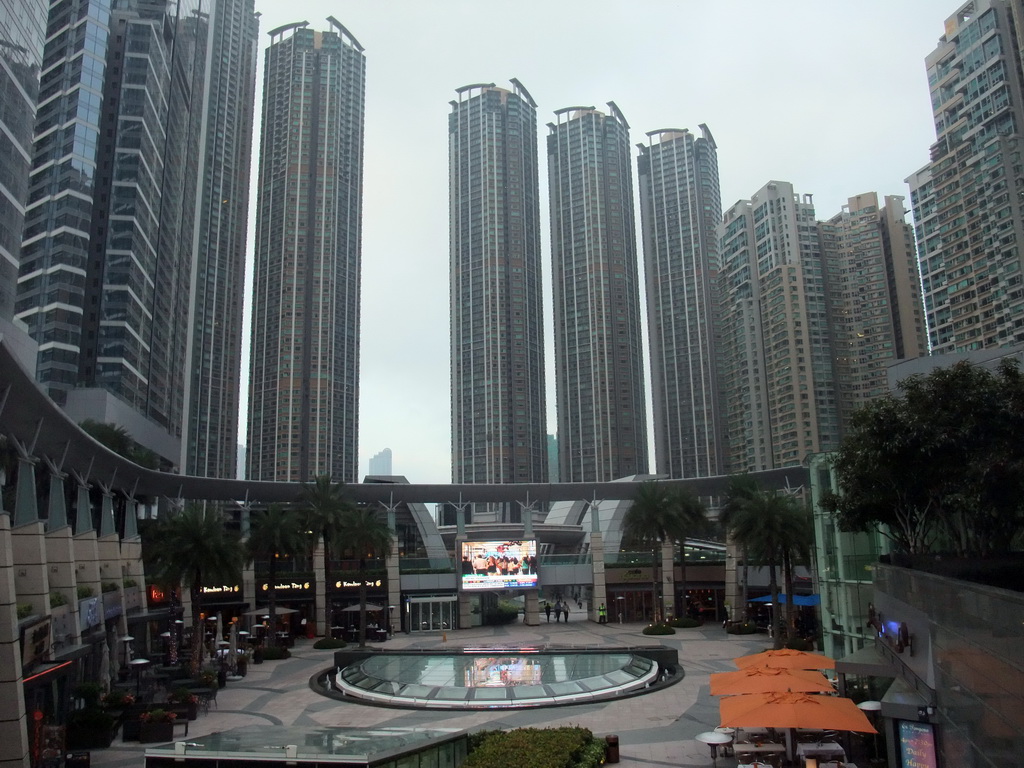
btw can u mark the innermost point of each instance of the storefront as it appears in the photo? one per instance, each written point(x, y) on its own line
point(431, 613)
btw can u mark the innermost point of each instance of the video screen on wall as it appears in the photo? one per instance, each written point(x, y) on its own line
point(499, 565)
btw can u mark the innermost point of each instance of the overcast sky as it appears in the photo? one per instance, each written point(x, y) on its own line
point(831, 96)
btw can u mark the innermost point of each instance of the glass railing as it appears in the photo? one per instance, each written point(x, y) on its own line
point(580, 558)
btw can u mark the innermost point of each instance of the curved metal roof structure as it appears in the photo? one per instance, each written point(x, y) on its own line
point(29, 417)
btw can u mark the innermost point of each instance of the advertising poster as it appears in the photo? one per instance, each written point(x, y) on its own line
point(499, 565)
point(917, 745)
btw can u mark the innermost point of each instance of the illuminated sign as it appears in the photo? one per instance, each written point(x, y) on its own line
point(499, 565)
point(221, 590)
point(917, 745)
point(339, 584)
point(288, 586)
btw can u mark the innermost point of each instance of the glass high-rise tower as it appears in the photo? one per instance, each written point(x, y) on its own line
point(602, 429)
point(680, 207)
point(106, 265)
point(304, 375)
point(497, 333)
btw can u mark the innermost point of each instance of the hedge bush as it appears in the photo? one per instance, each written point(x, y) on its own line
point(685, 622)
point(506, 613)
point(568, 747)
point(799, 644)
point(275, 652)
point(659, 629)
point(325, 643)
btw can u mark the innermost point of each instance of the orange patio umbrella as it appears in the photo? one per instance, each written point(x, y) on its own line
point(768, 680)
point(793, 710)
point(786, 658)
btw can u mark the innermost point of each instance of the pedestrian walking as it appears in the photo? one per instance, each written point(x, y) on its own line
point(547, 610)
point(558, 611)
point(565, 610)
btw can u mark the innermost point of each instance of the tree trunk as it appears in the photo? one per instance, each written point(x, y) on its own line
point(655, 602)
point(773, 582)
point(198, 635)
point(362, 603)
point(272, 602)
point(787, 570)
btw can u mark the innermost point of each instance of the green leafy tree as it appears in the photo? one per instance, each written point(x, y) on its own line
point(118, 440)
point(740, 488)
point(938, 465)
point(274, 533)
point(774, 530)
point(190, 549)
point(660, 513)
point(362, 532)
point(324, 503)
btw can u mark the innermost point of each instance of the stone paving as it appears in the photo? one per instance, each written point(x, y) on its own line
point(656, 729)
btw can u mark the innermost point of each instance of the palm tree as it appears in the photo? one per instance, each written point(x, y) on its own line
point(193, 548)
point(365, 534)
point(276, 532)
point(661, 514)
point(739, 488)
point(324, 502)
point(768, 525)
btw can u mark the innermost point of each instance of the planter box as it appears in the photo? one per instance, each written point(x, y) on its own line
point(151, 732)
point(89, 738)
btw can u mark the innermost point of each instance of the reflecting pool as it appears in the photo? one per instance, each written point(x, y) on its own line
point(494, 679)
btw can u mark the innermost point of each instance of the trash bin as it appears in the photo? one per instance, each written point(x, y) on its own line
point(77, 760)
point(611, 749)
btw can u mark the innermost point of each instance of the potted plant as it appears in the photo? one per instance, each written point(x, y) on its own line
point(186, 698)
point(156, 725)
point(116, 702)
point(90, 728)
point(242, 664)
point(208, 678)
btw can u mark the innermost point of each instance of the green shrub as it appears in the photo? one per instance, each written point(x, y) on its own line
point(91, 719)
point(57, 599)
point(110, 586)
point(24, 610)
point(84, 591)
point(741, 628)
point(505, 613)
point(130, 583)
point(89, 693)
point(568, 747)
point(325, 643)
point(659, 629)
point(274, 652)
point(685, 622)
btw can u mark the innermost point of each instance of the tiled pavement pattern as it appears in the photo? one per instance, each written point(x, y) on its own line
point(656, 729)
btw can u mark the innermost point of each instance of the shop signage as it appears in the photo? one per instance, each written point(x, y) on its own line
point(634, 574)
point(89, 612)
point(917, 745)
point(288, 586)
point(341, 584)
point(36, 643)
point(220, 590)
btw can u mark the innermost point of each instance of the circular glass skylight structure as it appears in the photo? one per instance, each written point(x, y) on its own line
point(494, 678)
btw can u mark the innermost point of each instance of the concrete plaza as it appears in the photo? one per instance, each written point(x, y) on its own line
point(656, 729)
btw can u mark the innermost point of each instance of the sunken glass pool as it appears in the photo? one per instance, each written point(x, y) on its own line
point(494, 679)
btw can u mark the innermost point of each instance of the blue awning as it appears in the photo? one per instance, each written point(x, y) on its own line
point(797, 599)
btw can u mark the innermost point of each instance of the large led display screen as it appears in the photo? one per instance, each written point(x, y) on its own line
point(499, 565)
point(506, 671)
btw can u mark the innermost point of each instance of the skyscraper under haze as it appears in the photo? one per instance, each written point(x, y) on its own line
point(969, 200)
point(497, 333)
point(106, 265)
point(304, 377)
point(680, 208)
point(210, 433)
point(779, 389)
point(602, 432)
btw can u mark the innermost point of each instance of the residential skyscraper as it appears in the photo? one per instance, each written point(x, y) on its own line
point(876, 316)
point(779, 388)
point(106, 264)
point(210, 436)
point(304, 377)
point(969, 200)
point(499, 424)
point(680, 208)
point(22, 32)
point(602, 430)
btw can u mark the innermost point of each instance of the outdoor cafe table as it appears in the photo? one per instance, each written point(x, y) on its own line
point(764, 748)
point(829, 750)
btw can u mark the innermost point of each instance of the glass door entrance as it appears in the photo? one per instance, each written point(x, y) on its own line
point(432, 614)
